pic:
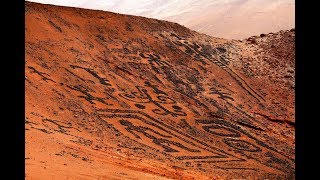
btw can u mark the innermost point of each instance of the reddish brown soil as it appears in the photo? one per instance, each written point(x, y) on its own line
point(111, 96)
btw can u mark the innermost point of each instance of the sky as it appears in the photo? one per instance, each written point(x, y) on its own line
point(232, 19)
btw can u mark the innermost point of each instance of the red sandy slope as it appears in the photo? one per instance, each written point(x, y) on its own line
point(111, 96)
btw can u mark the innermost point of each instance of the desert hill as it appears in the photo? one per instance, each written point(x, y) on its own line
point(231, 19)
point(112, 96)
